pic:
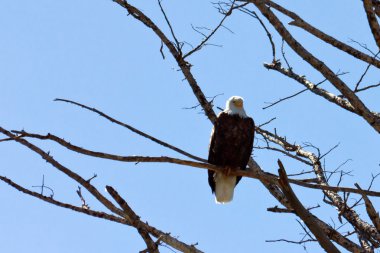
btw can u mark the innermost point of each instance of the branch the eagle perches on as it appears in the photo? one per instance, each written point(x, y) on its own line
point(279, 186)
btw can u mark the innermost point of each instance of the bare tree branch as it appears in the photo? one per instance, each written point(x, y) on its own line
point(134, 219)
point(97, 214)
point(367, 87)
point(304, 214)
point(285, 153)
point(285, 98)
point(269, 35)
point(372, 21)
point(343, 103)
point(84, 204)
point(371, 211)
point(213, 31)
point(177, 43)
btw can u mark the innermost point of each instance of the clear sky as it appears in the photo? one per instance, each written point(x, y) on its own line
point(93, 53)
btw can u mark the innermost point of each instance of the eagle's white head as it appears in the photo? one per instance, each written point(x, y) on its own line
point(234, 105)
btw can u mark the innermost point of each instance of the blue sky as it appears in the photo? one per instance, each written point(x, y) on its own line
point(95, 54)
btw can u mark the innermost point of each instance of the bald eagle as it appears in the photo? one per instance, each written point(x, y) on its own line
point(230, 147)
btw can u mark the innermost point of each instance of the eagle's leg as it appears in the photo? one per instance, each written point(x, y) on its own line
point(228, 170)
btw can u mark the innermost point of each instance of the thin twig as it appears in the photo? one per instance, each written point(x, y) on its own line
point(363, 75)
point(266, 123)
point(133, 129)
point(43, 186)
point(269, 35)
point(290, 241)
point(178, 44)
point(283, 55)
point(330, 150)
point(285, 98)
point(84, 204)
point(213, 31)
point(367, 87)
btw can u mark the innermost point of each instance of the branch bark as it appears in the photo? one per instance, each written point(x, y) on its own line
point(134, 219)
point(343, 103)
point(303, 213)
point(372, 21)
point(371, 211)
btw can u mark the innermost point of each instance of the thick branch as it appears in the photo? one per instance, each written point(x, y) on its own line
point(372, 21)
point(371, 211)
point(303, 213)
point(134, 219)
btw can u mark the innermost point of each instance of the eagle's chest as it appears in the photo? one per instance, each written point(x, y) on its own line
point(231, 143)
point(234, 133)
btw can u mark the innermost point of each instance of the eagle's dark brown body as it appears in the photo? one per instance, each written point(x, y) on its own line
point(231, 143)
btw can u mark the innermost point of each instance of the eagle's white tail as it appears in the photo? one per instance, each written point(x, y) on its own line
point(224, 187)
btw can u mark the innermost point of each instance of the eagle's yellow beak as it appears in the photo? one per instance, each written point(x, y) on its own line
point(238, 103)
